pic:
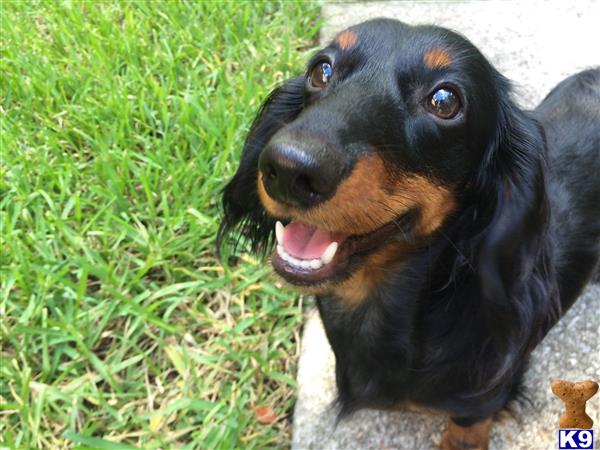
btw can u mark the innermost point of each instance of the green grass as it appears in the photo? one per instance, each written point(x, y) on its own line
point(120, 124)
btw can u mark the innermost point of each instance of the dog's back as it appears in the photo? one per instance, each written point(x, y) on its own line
point(570, 115)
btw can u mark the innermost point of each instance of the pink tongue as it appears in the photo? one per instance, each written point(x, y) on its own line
point(306, 242)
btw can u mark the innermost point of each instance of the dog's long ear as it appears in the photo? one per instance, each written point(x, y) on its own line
point(512, 254)
point(243, 214)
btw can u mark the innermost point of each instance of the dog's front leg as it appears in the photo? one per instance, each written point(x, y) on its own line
point(466, 436)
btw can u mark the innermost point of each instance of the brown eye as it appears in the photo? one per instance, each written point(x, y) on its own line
point(444, 103)
point(320, 75)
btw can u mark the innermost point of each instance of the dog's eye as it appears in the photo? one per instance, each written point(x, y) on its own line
point(320, 75)
point(444, 103)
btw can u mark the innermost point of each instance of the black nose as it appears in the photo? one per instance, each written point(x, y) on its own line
point(297, 176)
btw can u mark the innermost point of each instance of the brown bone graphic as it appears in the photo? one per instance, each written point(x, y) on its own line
point(575, 395)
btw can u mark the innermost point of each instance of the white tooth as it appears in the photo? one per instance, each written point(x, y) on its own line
point(316, 264)
point(284, 255)
point(305, 263)
point(329, 253)
point(279, 232)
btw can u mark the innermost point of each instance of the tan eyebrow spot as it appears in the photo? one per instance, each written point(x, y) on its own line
point(437, 59)
point(347, 39)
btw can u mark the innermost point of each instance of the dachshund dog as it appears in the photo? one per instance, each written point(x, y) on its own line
point(442, 229)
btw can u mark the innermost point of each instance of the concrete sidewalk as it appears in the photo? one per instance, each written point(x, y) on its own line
point(536, 44)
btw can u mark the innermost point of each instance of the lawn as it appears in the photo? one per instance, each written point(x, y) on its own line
point(120, 124)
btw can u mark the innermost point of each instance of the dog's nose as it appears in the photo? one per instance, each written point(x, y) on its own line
point(294, 175)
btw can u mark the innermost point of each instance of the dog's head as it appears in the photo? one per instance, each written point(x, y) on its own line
point(393, 133)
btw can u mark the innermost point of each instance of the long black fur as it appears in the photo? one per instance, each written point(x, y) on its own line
point(242, 209)
point(452, 327)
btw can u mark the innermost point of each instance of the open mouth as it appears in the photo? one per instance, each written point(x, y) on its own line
point(307, 255)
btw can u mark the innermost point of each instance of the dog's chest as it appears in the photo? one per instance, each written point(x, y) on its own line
point(386, 356)
point(373, 351)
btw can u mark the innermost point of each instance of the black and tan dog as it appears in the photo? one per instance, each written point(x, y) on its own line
point(443, 229)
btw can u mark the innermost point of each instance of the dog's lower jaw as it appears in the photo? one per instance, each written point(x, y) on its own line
point(472, 437)
point(373, 273)
point(364, 276)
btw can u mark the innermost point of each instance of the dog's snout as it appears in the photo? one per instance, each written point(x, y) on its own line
point(295, 175)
